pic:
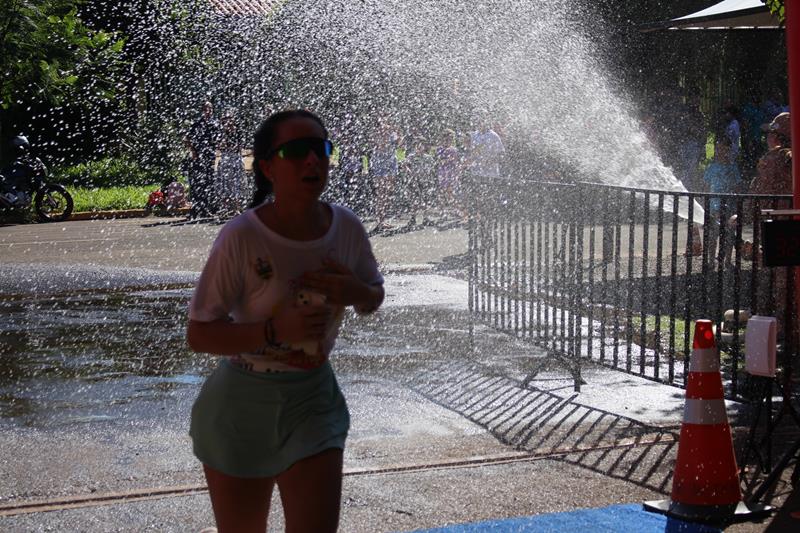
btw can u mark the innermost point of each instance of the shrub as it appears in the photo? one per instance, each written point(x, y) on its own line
point(113, 198)
point(110, 172)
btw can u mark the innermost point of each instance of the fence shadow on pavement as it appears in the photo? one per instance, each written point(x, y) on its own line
point(549, 425)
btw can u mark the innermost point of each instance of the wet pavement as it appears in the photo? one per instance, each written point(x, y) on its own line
point(96, 384)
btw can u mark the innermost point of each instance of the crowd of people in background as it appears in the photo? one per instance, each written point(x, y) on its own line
point(680, 130)
point(391, 170)
point(421, 175)
point(751, 152)
point(418, 174)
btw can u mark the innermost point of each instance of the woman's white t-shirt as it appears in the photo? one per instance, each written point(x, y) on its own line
point(251, 273)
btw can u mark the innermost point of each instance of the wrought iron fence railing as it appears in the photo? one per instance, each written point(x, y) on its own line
point(617, 274)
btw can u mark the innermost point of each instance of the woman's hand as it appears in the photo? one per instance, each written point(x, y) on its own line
point(338, 283)
point(300, 323)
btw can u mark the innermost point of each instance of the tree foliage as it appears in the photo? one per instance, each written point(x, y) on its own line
point(94, 78)
point(47, 54)
point(59, 75)
point(776, 7)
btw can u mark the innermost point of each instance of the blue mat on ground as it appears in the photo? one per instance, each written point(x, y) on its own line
point(628, 518)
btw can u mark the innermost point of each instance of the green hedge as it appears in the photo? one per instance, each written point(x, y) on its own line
point(110, 172)
point(111, 199)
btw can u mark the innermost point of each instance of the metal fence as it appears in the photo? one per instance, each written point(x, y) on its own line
point(617, 274)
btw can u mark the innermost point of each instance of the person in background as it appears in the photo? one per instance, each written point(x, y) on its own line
point(774, 169)
point(201, 141)
point(721, 177)
point(269, 302)
point(773, 173)
point(732, 130)
point(752, 118)
point(383, 168)
point(18, 178)
point(230, 170)
point(351, 179)
point(486, 154)
point(448, 173)
point(773, 177)
point(691, 141)
point(420, 182)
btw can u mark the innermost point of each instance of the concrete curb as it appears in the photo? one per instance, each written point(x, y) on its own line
point(127, 213)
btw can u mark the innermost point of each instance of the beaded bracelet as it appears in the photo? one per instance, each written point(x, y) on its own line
point(269, 331)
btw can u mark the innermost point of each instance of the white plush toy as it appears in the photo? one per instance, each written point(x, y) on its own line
point(305, 297)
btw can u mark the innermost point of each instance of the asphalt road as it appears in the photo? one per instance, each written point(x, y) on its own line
point(443, 432)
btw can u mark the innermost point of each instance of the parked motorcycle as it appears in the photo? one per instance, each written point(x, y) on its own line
point(23, 183)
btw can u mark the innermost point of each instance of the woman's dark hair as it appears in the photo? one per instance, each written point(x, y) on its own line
point(263, 144)
point(723, 139)
point(732, 109)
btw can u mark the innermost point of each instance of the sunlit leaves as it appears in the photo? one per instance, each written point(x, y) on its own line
point(776, 7)
point(47, 53)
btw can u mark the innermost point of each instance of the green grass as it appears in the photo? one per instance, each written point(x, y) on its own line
point(680, 330)
point(111, 198)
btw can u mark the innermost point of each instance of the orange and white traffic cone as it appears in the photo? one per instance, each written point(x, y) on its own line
point(705, 484)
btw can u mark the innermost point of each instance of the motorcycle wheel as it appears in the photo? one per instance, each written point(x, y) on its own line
point(53, 203)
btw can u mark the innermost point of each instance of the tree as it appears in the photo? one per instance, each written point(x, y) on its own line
point(776, 7)
point(51, 60)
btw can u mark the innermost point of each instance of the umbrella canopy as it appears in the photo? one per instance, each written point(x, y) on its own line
point(725, 15)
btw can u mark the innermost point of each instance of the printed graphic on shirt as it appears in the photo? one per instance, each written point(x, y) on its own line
point(303, 354)
point(264, 268)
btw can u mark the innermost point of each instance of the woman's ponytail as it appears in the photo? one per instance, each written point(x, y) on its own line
point(263, 186)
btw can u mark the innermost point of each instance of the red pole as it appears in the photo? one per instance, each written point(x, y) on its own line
point(792, 12)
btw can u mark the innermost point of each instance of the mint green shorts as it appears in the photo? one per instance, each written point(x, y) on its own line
point(249, 424)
